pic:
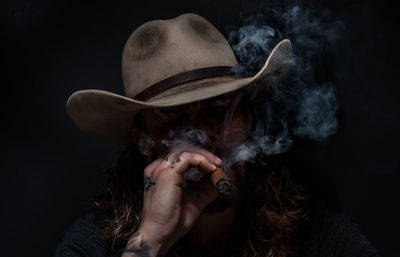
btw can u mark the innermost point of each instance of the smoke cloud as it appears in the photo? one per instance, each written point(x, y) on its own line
point(301, 106)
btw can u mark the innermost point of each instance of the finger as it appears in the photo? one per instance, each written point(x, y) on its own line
point(165, 162)
point(160, 163)
point(151, 167)
point(172, 156)
point(188, 159)
point(212, 157)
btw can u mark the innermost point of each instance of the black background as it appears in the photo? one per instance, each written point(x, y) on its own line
point(51, 169)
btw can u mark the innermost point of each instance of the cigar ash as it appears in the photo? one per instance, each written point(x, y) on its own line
point(224, 186)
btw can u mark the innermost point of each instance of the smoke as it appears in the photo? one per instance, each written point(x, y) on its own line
point(316, 118)
point(180, 134)
point(303, 105)
point(186, 138)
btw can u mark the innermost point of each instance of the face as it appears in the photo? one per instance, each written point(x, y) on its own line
point(218, 124)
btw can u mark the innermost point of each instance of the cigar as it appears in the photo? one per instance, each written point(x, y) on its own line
point(222, 183)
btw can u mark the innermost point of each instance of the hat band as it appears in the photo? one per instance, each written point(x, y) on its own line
point(185, 77)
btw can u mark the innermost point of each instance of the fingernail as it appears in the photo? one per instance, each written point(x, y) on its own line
point(213, 167)
point(218, 160)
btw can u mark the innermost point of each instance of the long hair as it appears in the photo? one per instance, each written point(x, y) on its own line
point(276, 207)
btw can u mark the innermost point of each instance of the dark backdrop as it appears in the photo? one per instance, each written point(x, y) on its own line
point(51, 169)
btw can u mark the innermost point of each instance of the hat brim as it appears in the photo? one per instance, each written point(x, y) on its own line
point(109, 116)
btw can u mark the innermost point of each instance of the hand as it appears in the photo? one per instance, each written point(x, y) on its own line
point(169, 212)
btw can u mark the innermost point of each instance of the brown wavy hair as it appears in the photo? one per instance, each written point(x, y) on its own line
point(276, 207)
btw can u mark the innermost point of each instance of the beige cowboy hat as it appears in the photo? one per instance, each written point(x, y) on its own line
point(168, 63)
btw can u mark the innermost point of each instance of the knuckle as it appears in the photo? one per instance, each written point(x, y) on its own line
point(164, 165)
point(147, 172)
point(185, 155)
point(200, 158)
point(161, 169)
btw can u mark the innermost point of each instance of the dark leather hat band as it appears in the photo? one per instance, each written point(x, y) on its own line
point(185, 77)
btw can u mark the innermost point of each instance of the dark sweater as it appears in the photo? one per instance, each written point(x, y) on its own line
point(328, 234)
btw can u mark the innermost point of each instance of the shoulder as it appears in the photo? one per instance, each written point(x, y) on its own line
point(82, 239)
point(332, 233)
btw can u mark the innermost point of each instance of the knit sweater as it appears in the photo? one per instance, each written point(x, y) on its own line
point(328, 234)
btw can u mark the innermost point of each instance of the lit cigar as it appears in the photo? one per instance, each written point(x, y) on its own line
point(222, 183)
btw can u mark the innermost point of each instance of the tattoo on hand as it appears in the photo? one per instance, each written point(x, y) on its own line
point(137, 247)
point(166, 157)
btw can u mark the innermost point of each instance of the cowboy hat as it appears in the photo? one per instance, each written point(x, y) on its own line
point(167, 63)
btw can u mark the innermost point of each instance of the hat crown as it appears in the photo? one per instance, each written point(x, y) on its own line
point(160, 49)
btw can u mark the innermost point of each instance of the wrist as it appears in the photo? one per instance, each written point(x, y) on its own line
point(142, 244)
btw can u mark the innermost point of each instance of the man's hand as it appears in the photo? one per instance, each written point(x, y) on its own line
point(169, 212)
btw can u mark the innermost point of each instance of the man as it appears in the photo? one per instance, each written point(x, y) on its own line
point(161, 200)
point(185, 113)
